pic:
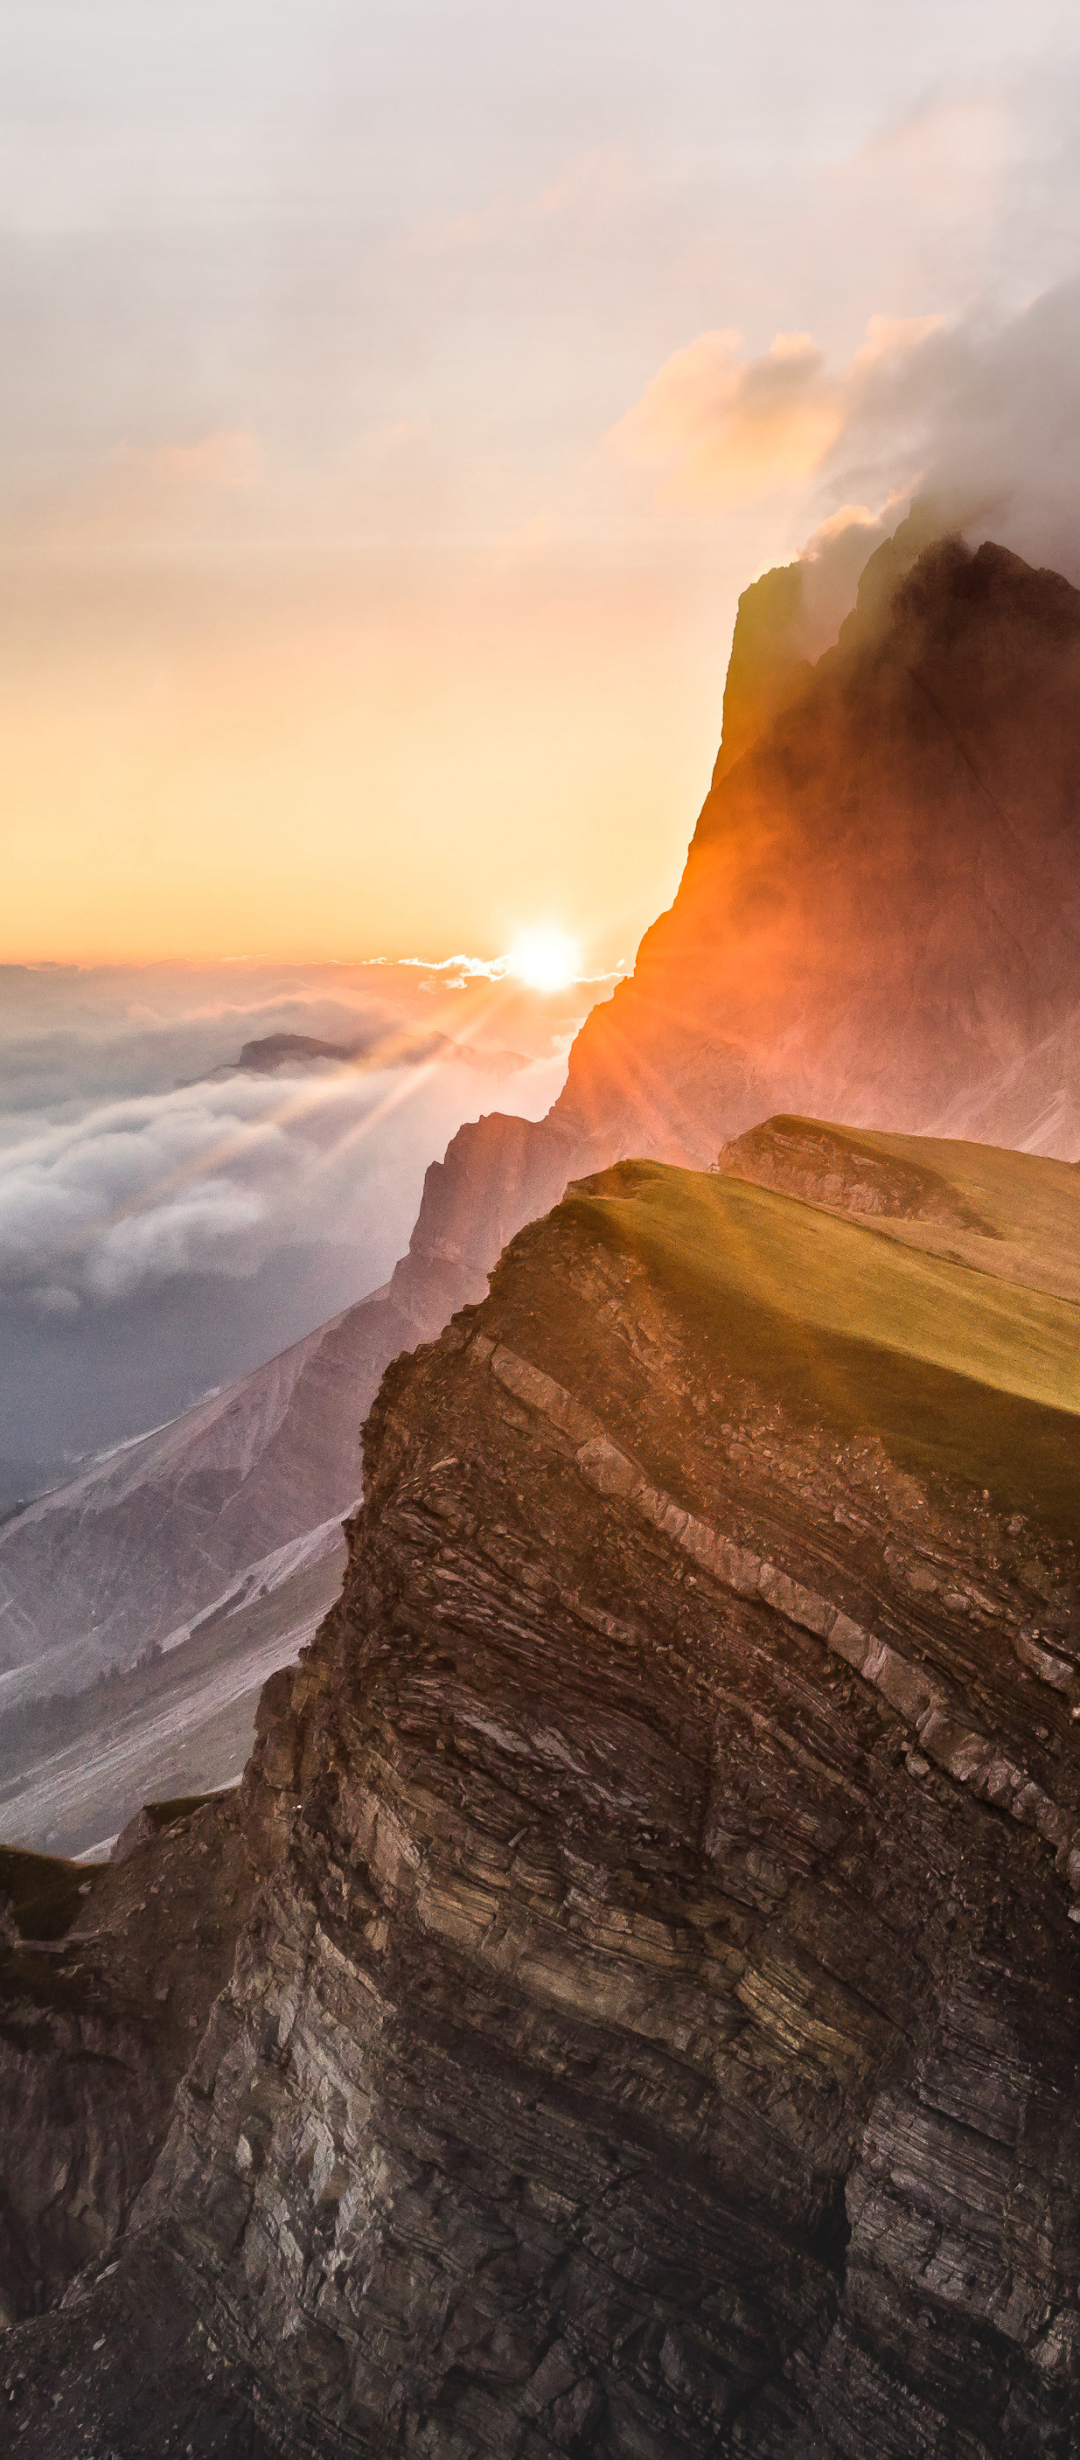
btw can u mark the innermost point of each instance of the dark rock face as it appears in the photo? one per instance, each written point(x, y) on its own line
point(106, 1981)
point(656, 2034)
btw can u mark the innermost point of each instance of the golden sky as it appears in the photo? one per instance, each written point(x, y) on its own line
point(398, 398)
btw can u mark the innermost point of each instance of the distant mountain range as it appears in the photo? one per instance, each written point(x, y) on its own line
point(401, 1048)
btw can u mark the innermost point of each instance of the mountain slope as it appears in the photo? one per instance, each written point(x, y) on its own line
point(656, 2034)
point(74, 1770)
point(879, 920)
point(93, 1572)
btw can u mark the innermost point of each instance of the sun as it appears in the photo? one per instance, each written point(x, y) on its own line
point(546, 959)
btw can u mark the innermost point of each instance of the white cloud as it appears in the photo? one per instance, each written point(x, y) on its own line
point(102, 1198)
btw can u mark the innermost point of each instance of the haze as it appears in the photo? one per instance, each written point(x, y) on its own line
point(397, 399)
point(169, 1218)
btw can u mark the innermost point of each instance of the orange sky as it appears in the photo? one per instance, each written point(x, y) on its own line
point(398, 403)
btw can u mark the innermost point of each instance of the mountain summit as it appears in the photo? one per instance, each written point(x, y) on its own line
point(879, 919)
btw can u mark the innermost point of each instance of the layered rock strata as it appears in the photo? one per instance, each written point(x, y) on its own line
point(656, 2034)
point(107, 1977)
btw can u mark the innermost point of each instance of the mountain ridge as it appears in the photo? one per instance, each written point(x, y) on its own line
point(655, 2031)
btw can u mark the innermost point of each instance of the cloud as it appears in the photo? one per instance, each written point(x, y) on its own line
point(160, 1182)
point(974, 421)
point(729, 430)
point(132, 495)
point(971, 419)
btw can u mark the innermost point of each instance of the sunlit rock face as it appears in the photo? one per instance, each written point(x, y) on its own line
point(656, 2036)
point(879, 919)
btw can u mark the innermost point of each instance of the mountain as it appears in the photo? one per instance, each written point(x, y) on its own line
point(655, 2032)
point(402, 1047)
point(879, 920)
point(75, 1767)
point(95, 1571)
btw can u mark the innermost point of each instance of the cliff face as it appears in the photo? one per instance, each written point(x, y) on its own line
point(107, 1976)
point(879, 919)
point(656, 2034)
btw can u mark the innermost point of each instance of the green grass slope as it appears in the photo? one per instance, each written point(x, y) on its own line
point(1023, 1211)
point(960, 1368)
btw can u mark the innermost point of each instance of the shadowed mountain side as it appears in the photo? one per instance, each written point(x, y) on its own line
point(98, 1570)
point(74, 1771)
point(107, 1975)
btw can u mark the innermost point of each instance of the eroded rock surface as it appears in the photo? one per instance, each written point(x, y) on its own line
point(107, 1977)
point(656, 2034)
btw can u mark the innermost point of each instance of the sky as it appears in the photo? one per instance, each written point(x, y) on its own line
point(396, 399)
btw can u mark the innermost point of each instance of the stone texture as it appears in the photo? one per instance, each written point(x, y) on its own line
point(98, 2020)
point(653, 2036)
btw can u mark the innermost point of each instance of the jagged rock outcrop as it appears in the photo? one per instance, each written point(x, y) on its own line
point(879, 919)
point(107, 1977)
point(656, 2034)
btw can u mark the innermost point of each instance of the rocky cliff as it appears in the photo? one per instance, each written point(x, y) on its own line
point(107, 1976)
point(879, 921)
point(656, 2031)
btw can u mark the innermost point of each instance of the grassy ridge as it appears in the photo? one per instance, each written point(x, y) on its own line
point(1023, 1209)
point(956, 1369)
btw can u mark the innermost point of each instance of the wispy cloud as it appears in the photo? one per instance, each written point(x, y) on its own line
point(723, 428)
point(158, 1182)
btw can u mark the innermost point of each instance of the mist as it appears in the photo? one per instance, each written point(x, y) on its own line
point(169, 1218)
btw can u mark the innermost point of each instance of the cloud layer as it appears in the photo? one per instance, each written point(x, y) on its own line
point(150, 1227)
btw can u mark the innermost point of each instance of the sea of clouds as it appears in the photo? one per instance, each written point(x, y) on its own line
point(169, 1218)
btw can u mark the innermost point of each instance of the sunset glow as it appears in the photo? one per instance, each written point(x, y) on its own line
point(411, 477)
point(546, 959)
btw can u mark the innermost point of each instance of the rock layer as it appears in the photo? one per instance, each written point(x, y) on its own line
point(656, 2034)
point(107, 1977)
